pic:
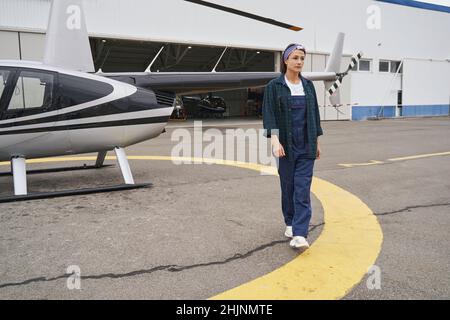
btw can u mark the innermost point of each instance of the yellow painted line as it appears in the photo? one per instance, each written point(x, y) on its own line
point(244, 165)
point(421, 156)
point(348, 245)
point(351, 165)
point(376, 162)
point(337, 261)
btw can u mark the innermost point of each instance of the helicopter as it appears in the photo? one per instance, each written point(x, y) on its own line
point(60, 106)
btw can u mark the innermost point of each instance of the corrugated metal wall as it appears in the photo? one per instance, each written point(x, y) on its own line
point(24, 14)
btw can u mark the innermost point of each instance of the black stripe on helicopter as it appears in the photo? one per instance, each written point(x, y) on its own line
point(92, 125)
point(163, 100)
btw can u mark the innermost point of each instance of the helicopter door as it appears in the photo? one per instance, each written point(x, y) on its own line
point(24, 116)
point(33, 94)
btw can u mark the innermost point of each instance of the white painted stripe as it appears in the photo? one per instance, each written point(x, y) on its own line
point(99, 119)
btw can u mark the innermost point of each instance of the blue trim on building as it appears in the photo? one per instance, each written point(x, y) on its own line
point(420, 5)
point(364, 112)
point(426, 110)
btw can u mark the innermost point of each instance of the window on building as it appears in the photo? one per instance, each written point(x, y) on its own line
point(390, 66)
point(33, 90)
point(384, 66)
point(395, 65)
point(362, 65)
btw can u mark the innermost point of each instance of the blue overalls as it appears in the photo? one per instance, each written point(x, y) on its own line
point(296, 175)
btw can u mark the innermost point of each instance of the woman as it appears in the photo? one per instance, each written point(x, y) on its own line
point(292, 121)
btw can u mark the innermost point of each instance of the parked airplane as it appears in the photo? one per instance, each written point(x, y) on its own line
point(60, 107)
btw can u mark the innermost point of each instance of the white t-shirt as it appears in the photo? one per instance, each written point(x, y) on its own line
point(296, 89)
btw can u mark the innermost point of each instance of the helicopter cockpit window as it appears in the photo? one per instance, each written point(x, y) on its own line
point(32, 90)
point(3, 79)
point(76, 90)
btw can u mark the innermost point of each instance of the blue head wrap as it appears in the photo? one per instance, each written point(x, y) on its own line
point(291, 49)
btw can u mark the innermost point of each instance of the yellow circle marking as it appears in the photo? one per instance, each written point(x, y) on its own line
point(337, 261)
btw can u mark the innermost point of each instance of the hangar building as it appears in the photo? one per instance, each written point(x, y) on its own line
point(405, 70)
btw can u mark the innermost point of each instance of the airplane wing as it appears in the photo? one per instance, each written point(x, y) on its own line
point(185, 83)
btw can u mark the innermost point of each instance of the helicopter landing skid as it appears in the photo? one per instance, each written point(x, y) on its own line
point(65, 193)
point(19, 173)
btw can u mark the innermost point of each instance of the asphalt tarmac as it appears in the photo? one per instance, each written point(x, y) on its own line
point(203, 229)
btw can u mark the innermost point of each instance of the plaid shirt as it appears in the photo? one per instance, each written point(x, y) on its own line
point(277, 118)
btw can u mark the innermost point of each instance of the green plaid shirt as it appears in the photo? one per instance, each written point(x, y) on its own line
point(277, 118)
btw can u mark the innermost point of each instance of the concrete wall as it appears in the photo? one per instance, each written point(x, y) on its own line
point(427, 88)
point(422, 77)
point(374, 94)
point(425, 85)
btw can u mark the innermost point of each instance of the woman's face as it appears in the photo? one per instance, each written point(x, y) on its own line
point(295, 61)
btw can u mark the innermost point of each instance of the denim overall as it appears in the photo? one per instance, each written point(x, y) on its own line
point(296, 176)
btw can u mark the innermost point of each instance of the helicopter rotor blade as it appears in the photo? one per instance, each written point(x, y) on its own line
point(246, 14)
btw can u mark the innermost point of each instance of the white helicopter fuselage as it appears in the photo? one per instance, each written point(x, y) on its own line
point(80, 112)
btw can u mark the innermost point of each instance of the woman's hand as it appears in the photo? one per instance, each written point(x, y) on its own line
point(278, 151)
point(277, 148)
point(318, 151)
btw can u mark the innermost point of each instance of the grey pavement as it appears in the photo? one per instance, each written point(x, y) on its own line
point(203, 229)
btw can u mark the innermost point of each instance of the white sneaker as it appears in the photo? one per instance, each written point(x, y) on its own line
point(299, 242)
point(288, 233)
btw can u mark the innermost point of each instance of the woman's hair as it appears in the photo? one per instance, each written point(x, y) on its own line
point(283, 65)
